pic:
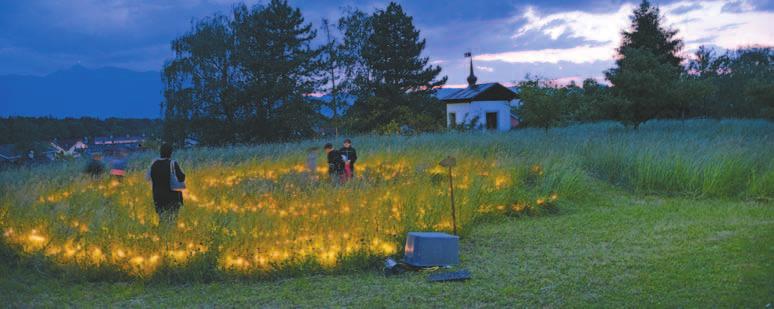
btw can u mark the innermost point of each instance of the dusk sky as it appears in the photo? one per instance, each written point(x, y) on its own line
point(554, 39)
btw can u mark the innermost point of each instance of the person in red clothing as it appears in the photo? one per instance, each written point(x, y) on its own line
point(118, 165)
point(349, 155)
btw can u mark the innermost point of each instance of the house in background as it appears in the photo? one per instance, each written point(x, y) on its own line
point(9, 154)
point(69, 147)
point(107, 144)
point(486, 106)
point(132, 141)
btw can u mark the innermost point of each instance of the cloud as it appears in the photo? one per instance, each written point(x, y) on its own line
point(705, 22)
point(595, 27)
point(596, 35)
point(97, 17)
point(485, 69)
point(455, 86)
point(564, 81)
point(728, 29)
point(737, 7)
point(580, 54)
point(682, 9)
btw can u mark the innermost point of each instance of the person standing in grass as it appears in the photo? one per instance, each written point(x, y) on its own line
point(335, 164)
point(95, 167)
point(118, 165)
point(166, 199)
point(350, 157)
point(311, 161)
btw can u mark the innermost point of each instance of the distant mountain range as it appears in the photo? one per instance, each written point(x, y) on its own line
point(80, 91)
point(101, 93)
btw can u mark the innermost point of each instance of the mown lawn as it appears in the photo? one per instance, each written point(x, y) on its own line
point(622, 250)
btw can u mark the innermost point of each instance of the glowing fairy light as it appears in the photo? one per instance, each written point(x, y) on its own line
point(37, 239)
point(501, 182)
point(137, 260)
point(271, 218)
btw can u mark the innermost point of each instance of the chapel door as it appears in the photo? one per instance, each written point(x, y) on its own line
point(491, 121)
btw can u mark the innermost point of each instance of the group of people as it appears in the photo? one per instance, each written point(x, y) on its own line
point(167, 178)
point(341, 163)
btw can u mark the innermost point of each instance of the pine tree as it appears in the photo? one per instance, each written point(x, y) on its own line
point(647, 33)
point(243, 78)
point(279, 67)
point(393, 55)
point(398, 76)
point(647, 68)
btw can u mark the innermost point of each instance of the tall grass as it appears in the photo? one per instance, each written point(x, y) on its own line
point(255, 211)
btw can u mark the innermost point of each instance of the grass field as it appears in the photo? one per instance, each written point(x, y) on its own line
point(676, 214)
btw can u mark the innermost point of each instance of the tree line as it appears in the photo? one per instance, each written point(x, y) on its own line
point(651, 80)
point(249, 76)
point(35, 132)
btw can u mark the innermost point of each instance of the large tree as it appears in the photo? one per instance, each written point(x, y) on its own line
point(356, 29)
point(197, 81)
point(244, 78)
point(647, 32)
point(648, 63)
point(748, 83)
point(334, 64)
point(280, 67)
point(738, 83)
point(644, 85)
point(396, 74)
point(542, 104)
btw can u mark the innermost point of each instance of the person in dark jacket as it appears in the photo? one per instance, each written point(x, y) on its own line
point(335, 164)
point(167, 201)
point(95, 167)
point(349, 155)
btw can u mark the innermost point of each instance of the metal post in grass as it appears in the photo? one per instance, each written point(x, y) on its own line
point(449, 162)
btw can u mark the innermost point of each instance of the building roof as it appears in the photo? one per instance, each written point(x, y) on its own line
point(66, 144)
point(118, 139)
point(481, 92)
point(9, 152)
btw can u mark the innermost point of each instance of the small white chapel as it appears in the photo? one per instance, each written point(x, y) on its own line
point(488, 104)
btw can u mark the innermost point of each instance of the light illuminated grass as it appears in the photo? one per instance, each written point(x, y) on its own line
point(256, 217)
point(618, 250)
point(254, 211)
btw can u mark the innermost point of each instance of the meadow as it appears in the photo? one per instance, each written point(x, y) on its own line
point(255, 211)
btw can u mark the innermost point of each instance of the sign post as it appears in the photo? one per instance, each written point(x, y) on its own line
point(449, 162)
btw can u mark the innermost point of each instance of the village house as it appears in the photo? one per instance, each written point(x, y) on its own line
point(69, 147)
point(12, 155)
point(119, 140)
point(9, 154)
point(486, 106)
point(111, 143)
